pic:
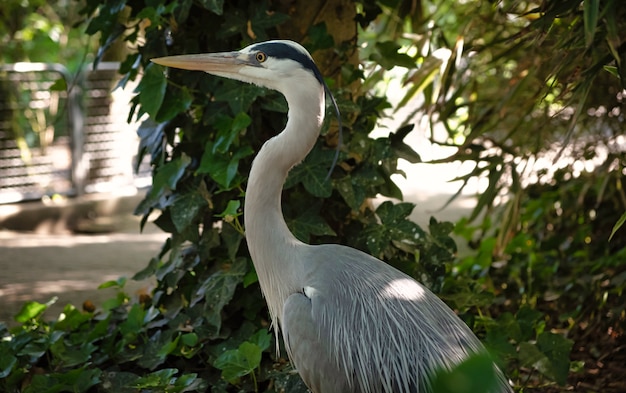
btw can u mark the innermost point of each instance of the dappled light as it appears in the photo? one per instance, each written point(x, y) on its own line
point(403, 289)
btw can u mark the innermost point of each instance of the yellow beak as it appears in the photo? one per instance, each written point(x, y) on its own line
point(208, 62)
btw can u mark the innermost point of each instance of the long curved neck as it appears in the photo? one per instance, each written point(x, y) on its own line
point(272, 246)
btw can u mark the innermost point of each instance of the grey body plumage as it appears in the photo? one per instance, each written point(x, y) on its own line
point(351, 323)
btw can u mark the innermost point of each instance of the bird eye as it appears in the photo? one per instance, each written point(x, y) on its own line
point(261, 57)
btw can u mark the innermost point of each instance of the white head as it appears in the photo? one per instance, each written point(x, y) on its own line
point(279, 65)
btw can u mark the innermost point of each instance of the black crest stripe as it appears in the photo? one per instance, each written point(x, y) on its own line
point(280, 50)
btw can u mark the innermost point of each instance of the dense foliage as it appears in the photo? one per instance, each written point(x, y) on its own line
point(542, 271)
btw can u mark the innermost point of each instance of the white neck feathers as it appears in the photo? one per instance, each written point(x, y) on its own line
point(273, 248)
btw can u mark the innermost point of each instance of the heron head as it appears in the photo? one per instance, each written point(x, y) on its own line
point(277, 65)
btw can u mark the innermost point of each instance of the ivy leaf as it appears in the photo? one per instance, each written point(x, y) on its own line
point(309, 222)
point(530, 356)
point(151, 89)
point(32, 309)
point(387, 55)
point(118, 381)
point(215, 6)
point(475, 374)
point(222, 167)
point(218, 289)
point(189, 339)
point(174, 102)
point(527, 319)
point(349, 193)
point(163, 183)
point(557, 349)
point(77, 380)
point(236, 363)
point(319, 38)
point(228, 130)
point(261, 20)
point(160, 378)
point(150, 140)
point(261, 338)
point(232, 239)
point(394, 227)
point(402, 149)
point(70, 356)
point(239, 96)
point(7, 361)
point(136, 320)
point(185, 209)
point(312, 173)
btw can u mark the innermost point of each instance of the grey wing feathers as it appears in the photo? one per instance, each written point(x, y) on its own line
point(302, 341)
point(379, 330)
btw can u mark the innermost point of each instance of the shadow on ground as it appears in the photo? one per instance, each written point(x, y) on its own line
point(70, 267)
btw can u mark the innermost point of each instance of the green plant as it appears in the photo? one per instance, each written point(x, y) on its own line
point(205, 324)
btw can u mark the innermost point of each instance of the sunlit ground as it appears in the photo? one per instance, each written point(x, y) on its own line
point(70, 267)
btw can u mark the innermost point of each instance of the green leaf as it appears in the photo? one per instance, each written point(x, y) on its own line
point(231, 237)
point(527, 319)
point(119, 283)
point(319, 38)
point(349, 193)
point(157, 379)
point(310, 222)
point(530, 356)
point(312, 173)
point(395, 227)
point(118, 381)
point(134, 322)
point(77, 380)
point(7, 361)
point(239, 96)
point(261, 338)
point(31, 310)
point(250, 278)
point(402, 149)
point(151, 89)
point(421, 78)
point(222, 167)
point(475, 374)
point(618, 225)
point(67, 355)
point(228, 131)
point(218, 289)
point(163, 182)
point(215, 6)
point(176, 100)
point(387, 56)
point(591, 9)
point(148, 270)
point(231, 211)
point(189, 339)
point(168, 347)
point(188, 383)
point(236, 363)
point(557, 350)
point(59, 85)
point(186, 208)
point(252, 353)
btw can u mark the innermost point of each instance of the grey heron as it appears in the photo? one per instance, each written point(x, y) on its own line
point(350, 322)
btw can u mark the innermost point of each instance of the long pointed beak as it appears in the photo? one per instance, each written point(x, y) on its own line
point(229, 62)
